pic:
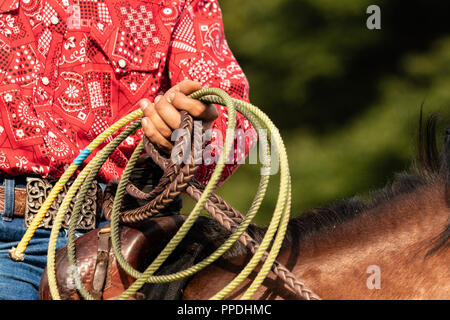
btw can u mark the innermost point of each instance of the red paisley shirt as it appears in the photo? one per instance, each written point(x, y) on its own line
point(71, 68)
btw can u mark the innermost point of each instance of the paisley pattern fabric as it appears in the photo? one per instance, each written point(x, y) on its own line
point(70, 68)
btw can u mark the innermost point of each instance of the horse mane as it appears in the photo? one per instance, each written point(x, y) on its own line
point(431, 166)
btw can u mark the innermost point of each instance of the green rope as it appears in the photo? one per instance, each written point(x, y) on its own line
point(276, 230)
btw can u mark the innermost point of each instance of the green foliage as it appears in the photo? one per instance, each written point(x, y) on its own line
point(346, 99)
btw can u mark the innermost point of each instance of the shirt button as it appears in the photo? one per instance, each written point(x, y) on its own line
point(122, 63)
point(45, 81)
point(54, 20)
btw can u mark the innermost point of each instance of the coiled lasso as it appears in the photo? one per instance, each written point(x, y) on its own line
point(275, 232)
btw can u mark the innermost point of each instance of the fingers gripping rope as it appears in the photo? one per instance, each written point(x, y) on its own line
point(174, 181)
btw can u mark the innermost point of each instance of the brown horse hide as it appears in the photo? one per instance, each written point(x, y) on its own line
point(139, 247)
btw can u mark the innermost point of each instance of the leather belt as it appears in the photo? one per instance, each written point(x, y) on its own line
point(19, 201)
point(28, 201)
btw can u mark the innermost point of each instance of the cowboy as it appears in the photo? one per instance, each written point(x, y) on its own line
point(69, 69)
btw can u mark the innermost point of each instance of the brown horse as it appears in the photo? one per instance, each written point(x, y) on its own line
point(395, 246)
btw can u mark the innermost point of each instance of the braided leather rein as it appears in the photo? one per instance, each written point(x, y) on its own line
point(179, 179)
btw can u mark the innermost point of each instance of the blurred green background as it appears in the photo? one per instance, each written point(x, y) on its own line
point(345, 98)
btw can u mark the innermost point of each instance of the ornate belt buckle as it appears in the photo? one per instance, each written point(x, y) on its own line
point(37, 191)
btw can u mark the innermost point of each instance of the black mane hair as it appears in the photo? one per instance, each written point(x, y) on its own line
point(207, 235)
point(430, 166)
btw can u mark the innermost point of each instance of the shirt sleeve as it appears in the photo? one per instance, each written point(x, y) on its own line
point(199, 51)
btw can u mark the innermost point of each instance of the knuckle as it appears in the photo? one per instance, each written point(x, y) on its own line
point(150, 110)
point(189, 85)
point(175, 88)
point(149, 131)
point(198, 109)
point(166, 132)
point(159, 106)
point(144, 103)
point(194, 113)
point(144, 122)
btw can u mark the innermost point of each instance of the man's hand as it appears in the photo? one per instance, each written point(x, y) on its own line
point(163, 116)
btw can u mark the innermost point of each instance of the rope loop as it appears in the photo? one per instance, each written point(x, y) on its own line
point(179, 178)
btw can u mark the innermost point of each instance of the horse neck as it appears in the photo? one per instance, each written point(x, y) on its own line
point(391, 239)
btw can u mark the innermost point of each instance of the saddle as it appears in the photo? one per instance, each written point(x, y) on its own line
point(97, 265)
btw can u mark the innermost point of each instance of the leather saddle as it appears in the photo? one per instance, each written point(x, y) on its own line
point(97, 266)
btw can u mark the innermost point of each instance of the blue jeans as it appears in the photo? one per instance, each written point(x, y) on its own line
point(20, 280)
